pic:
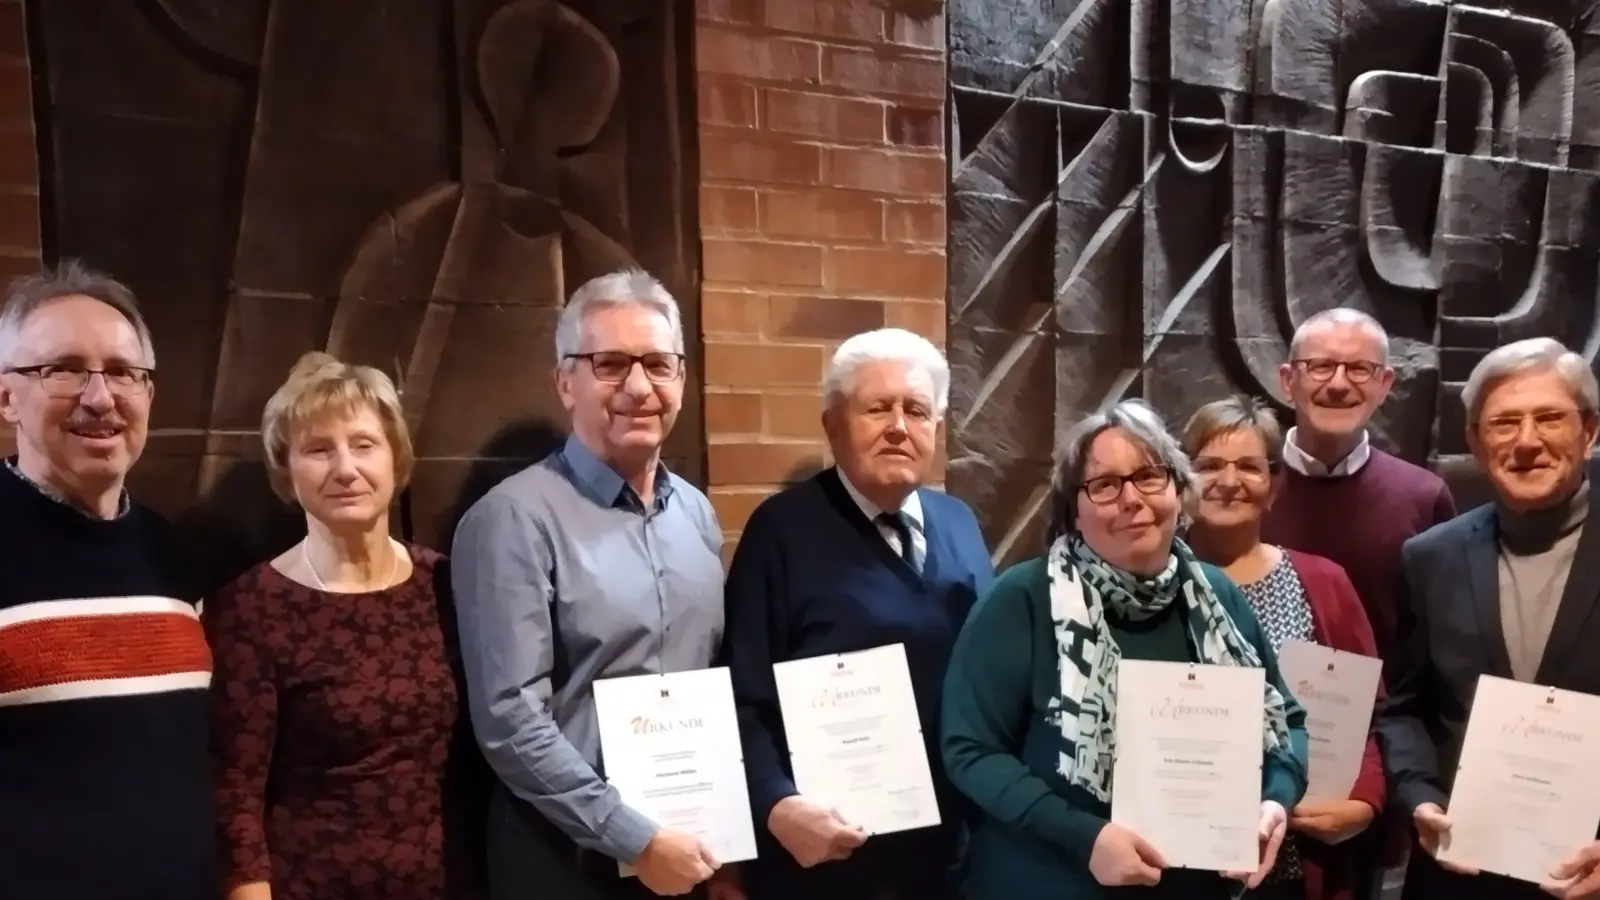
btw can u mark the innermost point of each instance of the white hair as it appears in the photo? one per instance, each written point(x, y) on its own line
point(1540, 354)
point(1342, 315)
point(627, 287)
point(887, 345)
point(28, 294)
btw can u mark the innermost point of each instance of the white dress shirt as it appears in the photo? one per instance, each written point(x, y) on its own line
point(911, 510)
point(1308, 465)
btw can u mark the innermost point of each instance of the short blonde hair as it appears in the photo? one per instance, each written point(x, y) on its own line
point(321, 385)
point(1231, 414)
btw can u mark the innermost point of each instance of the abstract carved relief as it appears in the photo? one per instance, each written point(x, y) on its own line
point(1147, 196)
point(413, 188)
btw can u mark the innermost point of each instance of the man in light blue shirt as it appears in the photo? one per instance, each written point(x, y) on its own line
point(593, 563)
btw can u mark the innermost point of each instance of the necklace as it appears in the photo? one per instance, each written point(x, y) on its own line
point(395, 550)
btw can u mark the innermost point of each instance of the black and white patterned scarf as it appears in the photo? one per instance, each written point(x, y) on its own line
point(1082, 585)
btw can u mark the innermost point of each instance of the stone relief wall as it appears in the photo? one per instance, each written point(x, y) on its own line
point(417, 191)
point(1147, 196)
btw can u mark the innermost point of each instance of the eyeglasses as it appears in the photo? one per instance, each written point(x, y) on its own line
point(1254, 469)
point(1356, 371)
point(71, 381)
point(614, 366)
point(1104, 489)
point(1548, 423)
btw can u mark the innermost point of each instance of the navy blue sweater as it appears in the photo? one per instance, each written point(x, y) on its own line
point(812, 576)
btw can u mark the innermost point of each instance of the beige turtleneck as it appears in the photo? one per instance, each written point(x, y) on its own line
point(1536, 552)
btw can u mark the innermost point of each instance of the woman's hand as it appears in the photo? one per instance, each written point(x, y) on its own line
point(1121, 858)
point(1274, 822)
point(1331, 821)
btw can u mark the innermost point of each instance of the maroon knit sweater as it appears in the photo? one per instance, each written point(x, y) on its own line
point(1359, 521)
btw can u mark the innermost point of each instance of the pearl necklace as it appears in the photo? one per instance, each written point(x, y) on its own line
point(395, 550)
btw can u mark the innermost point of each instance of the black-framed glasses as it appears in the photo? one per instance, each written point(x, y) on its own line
point(1104, 489)
point(1547, 423)
point(63, 380)
point(614, 366)
point(1248, 468)
point(1359, 371)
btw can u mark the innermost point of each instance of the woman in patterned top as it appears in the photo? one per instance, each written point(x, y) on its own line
point(1237, 445)
point(345, 769)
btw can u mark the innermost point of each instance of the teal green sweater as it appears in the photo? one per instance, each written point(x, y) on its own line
point(1036, 831)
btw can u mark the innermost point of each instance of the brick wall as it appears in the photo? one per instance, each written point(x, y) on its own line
point(19, 166)
point(821, 211)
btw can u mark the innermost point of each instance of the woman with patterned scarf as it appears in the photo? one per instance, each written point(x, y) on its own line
point(1029, 712)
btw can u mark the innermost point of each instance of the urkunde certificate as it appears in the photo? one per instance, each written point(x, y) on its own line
point(1187, 775)
point(1338, 690)
point(671, 747)
point(855, 739)
point(1526, 795)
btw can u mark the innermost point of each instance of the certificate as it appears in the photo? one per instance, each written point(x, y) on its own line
point(1338, 690)
point(855, 740)
point(1187, 776)
point(671, 747)
point(1526, 795)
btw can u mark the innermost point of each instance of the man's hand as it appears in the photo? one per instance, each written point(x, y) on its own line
point(725, 885)
point(812, 834)
point(1121, 858)
point(1274, 822)
point(1332, 821)
point(674, 863)
point(1578, 878)
point(1433, 831)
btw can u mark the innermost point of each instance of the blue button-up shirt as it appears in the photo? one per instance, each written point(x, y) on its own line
point(562, 577)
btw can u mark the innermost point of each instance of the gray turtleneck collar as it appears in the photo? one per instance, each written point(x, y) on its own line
point(1535, 531)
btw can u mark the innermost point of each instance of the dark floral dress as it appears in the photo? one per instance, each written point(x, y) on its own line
point(340, 749)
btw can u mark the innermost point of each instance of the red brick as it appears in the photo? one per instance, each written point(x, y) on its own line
point(739, 12)
point(924, 317)
point(912, 127)
point(18, 160)
point(745, 365)
point(822, 213)
point(883, 71)
point(762, 263)
point(727, 103)
point(742, 156)
point(762, 463)
point(733, 508)
point(751, 56)
point(19, 220)
point(885, 171)
point(793, 415)
point(894, 273)
point(14, 264)
point(926, 32)
point(13, 36)
point(850, 19)
point(733, 413)
point(823, 318)
point(824, 115)
point(732, 312)
point(915, 223)
point(727, 209)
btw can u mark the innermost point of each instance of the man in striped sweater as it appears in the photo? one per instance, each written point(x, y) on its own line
point(104, 780)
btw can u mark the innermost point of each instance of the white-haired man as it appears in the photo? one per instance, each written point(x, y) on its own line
point(1508, 589)
point(594, 563)
point(859, 556)
point(105, 791)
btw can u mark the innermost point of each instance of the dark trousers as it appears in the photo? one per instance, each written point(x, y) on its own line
point(529, 858)
point(1427, 880)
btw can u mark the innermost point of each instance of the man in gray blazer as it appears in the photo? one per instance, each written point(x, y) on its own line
point(1508, 589)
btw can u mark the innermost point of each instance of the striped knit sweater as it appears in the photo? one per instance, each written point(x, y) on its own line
point(105, 789)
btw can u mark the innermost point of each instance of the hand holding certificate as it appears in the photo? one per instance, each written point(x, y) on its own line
point(855, 740)
point(1188, 763)
point(671, 747)
point(1526, 795)
point(1338, 690)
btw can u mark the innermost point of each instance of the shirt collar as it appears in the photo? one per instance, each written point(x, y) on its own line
point(1308, 465)
point(602, 483)
point(124, 503)
point(911, 508)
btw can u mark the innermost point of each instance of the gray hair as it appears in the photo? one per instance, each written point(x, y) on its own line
point(629, 287)
point(1540, 354)
point(1342, 315)
point(1144, 426)
point(28, 294)
point(887, 345)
